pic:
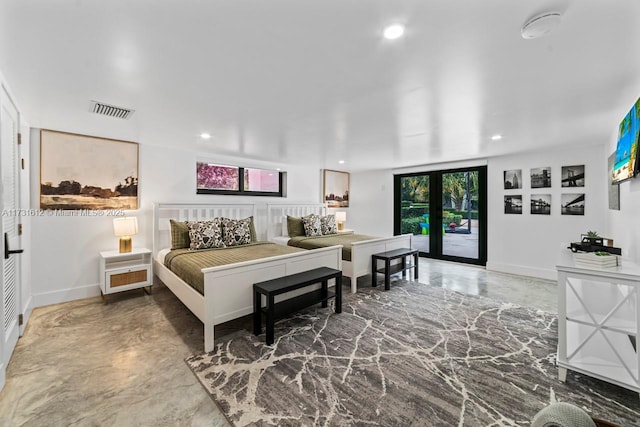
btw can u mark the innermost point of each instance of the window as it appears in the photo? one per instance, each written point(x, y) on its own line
point(237, 180)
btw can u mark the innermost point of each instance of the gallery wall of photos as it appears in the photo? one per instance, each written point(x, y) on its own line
point(539, 201)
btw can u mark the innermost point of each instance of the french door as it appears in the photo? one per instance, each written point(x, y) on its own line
point(446, 211)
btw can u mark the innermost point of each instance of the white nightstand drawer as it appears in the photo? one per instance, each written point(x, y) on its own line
point(124, 271)
point(124, 279)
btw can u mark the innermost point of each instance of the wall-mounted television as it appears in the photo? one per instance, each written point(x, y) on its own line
point(626, 163)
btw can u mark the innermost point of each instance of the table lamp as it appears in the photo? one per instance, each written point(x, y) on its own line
point(125, 228)
point(341, 217)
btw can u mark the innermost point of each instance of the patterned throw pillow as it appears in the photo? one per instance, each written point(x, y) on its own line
point(205, 234)
point(328, 224)
point(312, 226)
point(236, 232)
point(179, 234)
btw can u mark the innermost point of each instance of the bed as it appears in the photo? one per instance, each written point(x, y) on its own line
point(227, 289)
point(359, 262)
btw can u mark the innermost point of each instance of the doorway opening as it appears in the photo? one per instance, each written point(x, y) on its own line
point(446, 211)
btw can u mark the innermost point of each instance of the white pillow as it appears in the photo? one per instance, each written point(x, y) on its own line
point(285, 229)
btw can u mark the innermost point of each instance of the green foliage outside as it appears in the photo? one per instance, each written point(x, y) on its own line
point(414, 212)
point(411, 225)
point(415, 199)
point(415, 189)
point(463, 214)
point(446, 220)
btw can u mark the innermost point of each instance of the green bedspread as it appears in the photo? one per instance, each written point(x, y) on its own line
point(188, 264)
point(317, 242)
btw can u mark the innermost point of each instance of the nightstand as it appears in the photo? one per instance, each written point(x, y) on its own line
point(125, 271)
point(346, 231)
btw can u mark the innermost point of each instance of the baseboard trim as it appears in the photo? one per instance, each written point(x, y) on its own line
point(65, 295)
point(522, 270)
point(26, 314)
point(3, 375)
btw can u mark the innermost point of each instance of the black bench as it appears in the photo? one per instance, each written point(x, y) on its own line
point(271, 288)
point(388, 256)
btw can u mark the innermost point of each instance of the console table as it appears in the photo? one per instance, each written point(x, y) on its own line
point(598, 321)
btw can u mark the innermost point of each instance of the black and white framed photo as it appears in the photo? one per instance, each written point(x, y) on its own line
point(573, 176)
point(541, 177)
point(513, 204)
point(572, 204)
point(513, 179)
point(541, 204)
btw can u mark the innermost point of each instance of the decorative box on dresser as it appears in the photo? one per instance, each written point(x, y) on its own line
point(125, 271)
point(598, 321)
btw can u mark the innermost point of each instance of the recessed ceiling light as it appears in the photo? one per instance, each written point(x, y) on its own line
point(393, 32)
point(205, 136)
point(341, 162)
point(496, 137)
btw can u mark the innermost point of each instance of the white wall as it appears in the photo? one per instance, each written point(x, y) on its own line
point(370, 208)
point(624, 225)
point(528, 244)
point(520, 244)
point(66, 248)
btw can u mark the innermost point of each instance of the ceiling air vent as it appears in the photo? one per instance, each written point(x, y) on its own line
point(110, 110)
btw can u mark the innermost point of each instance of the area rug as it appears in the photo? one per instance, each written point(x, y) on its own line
point(413, 355)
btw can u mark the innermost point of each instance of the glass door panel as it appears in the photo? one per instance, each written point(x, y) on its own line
point(446, 211)
point(414, 210)
point(460, 226)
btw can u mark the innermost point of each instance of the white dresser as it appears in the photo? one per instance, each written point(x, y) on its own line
point(598, 321)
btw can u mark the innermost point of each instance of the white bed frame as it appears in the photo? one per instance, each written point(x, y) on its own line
point(361, 252)
point(228, 289)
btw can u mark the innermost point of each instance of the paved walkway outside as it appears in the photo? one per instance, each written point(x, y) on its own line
point(453, 244)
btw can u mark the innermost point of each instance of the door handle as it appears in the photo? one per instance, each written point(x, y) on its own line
point(8, 252)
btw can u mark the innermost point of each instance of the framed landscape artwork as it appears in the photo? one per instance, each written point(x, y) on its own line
point(573, 176)
point(87, 172)
point(541, 177)
point(513, 204)
point(572, 204)
point(541, 204)
point(335, 188)
point(513, 179)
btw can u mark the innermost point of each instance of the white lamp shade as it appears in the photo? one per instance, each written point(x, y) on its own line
point(127, 226)
point(341, 216)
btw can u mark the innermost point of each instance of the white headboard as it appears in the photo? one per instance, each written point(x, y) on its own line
point(276, 214)
point(163, 212)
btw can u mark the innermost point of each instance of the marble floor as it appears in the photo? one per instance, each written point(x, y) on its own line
point(85, 363)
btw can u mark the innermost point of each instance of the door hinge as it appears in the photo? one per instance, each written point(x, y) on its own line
point(19, 138)
point(22, 163)
point(20, 319)
point(19, 229)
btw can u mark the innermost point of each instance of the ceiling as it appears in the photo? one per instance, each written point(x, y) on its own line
point(289, 81)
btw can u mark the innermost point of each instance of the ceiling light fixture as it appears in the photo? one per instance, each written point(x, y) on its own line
point(541, 25)
point(496, 137)
point(341, 162)
point(393, 32)
point(205, 136)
